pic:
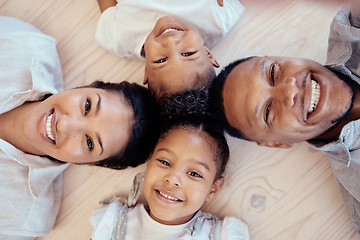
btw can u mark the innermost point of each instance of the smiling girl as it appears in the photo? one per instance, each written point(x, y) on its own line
point(183, 173)
point(43, 129)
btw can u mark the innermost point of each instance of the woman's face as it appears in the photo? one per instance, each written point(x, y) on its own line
point(82, 125)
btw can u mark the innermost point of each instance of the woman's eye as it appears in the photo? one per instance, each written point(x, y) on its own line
point(89, 143)
point(164, 162)
point(194, 174)
point(87, 106)
point(161, 60)
point(267, 111)
point(187, 54)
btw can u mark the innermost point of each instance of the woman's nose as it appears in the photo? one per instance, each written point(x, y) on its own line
point(69, 124)
point(288, 91)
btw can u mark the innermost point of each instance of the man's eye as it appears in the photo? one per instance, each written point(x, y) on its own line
point(267, 111)
point(187, 54)
point(164, 162)
point(195, 174)
point(87, 106)
point(161, 60)
point(89, 143)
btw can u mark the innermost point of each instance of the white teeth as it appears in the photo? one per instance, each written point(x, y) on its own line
point(315, 95)
point(168, 197)
point(48, 127)
point(169, 30)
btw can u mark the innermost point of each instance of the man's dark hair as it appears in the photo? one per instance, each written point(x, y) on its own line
point(217, 102)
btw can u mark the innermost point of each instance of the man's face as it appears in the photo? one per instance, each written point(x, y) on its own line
point(278, 101)
point(175, 57)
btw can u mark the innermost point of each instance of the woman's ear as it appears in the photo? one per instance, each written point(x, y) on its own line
point(145, 76)
point(215, 188)
point(274, 144)
point(211, 58)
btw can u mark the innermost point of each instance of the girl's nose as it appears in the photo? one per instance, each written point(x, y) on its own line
point(173, 180)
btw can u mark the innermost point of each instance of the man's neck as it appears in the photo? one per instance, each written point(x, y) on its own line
point(334, 132)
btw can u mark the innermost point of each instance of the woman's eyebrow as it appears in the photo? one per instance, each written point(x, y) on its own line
point(98, 106)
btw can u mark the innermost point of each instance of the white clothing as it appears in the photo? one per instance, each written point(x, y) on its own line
point(141, 226)
point(30, 186)
point(123, 219)
point(122, 29)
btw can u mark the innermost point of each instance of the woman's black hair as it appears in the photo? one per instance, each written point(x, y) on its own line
point(208, 126)
point(217, 103)
point(145, 129)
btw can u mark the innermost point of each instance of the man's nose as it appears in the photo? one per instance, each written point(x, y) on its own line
point(288, 91)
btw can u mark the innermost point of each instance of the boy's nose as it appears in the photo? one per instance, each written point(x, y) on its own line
point(170, 41)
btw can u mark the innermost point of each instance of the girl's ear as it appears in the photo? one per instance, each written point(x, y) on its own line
point(211, 58)
point(215, 188)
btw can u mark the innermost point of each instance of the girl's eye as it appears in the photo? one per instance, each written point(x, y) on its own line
point(267, 111)
point(187, 54)
point(87, 106)
point(161, 60)
point(164, 162)
point(194, 174)
point(89, 143)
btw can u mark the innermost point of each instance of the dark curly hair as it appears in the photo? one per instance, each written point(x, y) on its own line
point(194, 101)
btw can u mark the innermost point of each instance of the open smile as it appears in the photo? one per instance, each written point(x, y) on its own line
point(168, 196)
point(169, 28)
point(47, 128)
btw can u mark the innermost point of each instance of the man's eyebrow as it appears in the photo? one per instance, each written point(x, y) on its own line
point(262, 75)
point(98, 106)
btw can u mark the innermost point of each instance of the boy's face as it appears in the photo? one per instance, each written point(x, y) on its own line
point(180, 176)
point(278, 101)
point(175, 57)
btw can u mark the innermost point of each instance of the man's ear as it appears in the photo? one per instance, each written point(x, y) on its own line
point(211, 58)
point(215, 188)
point(275, 144)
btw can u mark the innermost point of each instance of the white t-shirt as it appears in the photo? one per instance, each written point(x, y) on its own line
point(141, 226)
point(123, 29)
point(30, 186)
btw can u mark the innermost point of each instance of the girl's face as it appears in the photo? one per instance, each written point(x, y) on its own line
point(180, 176)
point(82, 125)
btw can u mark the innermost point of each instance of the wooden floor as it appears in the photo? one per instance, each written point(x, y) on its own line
point(280, 194)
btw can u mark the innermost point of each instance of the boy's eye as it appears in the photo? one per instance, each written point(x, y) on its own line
point(89, 143)
point(187, 54)
point(161, 60)
point(164, 162)
point(87, 106)
point(195, 174)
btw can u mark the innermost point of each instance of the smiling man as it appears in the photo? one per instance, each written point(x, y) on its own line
point(279, 101)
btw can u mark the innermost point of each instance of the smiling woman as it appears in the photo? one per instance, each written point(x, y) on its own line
point(100, 124)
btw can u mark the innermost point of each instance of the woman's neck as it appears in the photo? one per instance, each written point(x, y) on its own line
point(11, 123)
